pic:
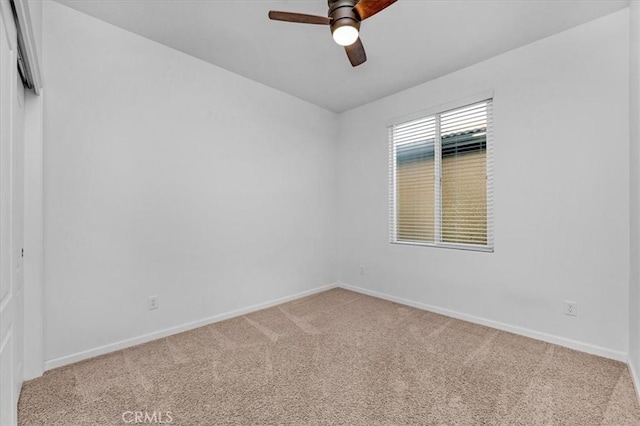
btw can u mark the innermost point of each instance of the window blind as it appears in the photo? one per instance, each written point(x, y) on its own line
point(440, 173)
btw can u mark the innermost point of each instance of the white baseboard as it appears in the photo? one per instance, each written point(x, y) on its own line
point(101, 350)
point(635, 378)
point(550, 338)
point(580, 346)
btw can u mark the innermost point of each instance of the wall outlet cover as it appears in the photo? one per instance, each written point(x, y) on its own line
point(571, 308)
point(152, 303)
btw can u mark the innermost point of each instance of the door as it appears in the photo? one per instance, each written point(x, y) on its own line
point(11, 181)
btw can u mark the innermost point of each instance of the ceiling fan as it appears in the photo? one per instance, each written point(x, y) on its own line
point(344, 19)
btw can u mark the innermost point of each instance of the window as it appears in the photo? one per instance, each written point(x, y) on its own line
point(440, 171)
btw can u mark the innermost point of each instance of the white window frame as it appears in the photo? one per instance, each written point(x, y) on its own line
point(393, 211)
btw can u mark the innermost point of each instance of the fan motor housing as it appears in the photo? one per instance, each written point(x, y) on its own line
point(342, 14)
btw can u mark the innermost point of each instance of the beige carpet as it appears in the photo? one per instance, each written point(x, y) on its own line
point(338, 358)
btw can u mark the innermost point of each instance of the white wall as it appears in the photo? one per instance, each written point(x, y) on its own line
point(561, 193)
point(634, 164)
point(224, 196)
point(168, 176)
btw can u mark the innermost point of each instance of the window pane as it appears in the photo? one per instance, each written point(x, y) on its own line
point(415, 171)
point(464, 171)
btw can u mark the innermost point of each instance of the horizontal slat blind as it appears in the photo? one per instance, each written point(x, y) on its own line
point(464, 175)
point(445, 200)
point(413, 149)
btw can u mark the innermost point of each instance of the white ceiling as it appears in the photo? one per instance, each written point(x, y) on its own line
point(411, 42)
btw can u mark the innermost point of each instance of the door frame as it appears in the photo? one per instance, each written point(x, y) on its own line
point(29, 19)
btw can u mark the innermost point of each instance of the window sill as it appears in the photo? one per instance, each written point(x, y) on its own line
point(466, 247)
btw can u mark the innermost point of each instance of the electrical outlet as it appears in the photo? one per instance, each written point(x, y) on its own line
point(362, 270)
point(153, 303)
point(571, 308)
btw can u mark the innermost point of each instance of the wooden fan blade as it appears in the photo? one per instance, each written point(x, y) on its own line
point(367, 8)
point(356, 53)
point(300, 18)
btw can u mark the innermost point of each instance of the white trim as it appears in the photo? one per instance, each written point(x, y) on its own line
point(634, 378)
point(561, 341)
point(437, 109)
point(456, 246)
point(26, 31)
point(101, 350)
point(33, 237)
point(550, 338)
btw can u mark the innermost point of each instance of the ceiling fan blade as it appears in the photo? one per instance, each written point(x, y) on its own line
point(300, 18)
point(367, 8)
point(356, 53)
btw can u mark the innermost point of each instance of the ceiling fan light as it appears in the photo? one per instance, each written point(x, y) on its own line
point(345, 35)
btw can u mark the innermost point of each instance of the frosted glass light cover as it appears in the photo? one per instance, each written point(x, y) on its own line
point(345, 36)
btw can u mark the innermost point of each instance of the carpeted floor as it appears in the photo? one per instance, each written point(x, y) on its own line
point(337, 357)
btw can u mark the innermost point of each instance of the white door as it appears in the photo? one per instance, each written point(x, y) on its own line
point(11, 183)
